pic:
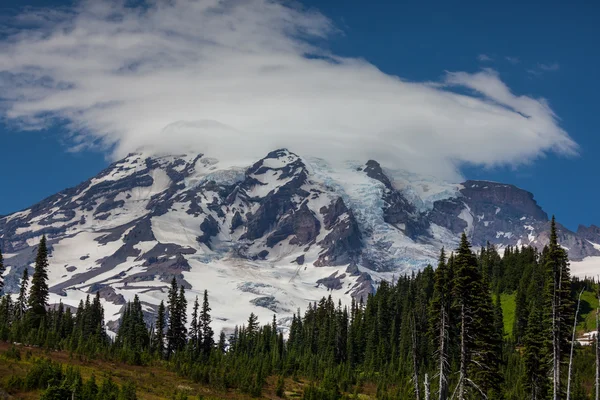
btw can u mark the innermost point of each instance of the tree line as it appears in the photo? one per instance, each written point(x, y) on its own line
point(439, 333)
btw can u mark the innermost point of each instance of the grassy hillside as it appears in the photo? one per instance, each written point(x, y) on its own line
point(152, 382)
point(508, 312)
point(587, 311)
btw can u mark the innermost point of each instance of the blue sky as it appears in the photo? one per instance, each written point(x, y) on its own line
point(547, 51)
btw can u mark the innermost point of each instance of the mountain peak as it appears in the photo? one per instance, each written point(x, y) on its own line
point(284, 228)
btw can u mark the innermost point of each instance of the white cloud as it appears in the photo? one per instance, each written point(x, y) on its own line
point(484, 58)
point(549, 67)
point(236, 79)
point(513, 60)
point(540, 69)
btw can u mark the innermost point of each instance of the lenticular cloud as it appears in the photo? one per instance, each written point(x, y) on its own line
point(235, 79)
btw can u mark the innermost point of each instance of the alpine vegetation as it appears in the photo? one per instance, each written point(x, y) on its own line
point(479, 325)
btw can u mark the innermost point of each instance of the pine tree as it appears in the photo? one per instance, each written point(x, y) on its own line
point(133, 336)
point(222, 346)
point(195, 329)
point(173, 325)
point(38, 295)
point(534, 355)
point(182, 306)
point(440, 311)
point(159, 336)
point(558, 306)
point(208, 340)
point(176, 331)
point(466, 276)
point(252, 327)
point(487, 351)
point(22, 300)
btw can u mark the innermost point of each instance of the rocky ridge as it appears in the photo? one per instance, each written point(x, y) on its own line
point(265, 238)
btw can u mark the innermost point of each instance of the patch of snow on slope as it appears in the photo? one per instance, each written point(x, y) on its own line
point(69, 252)
point(177, 227)
point(422, 190)
point(230, 283)
point(596, 245)
point(467, 216)
point(363, 196)
point(588, 267)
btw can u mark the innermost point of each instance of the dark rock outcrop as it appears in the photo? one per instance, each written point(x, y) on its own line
point(343, 243)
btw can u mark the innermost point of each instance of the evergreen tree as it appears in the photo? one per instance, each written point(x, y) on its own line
point(195, 329)
point(22, 301)
point(534, 355)
point(479, 341)
point(252, 327)
point(176, 331)
point(222, 346)
point(440, 315)
point(133, 337)
point(465, 280)
point(182, 311)
point(208, 340)
point(558, 306)
point(38, 295)
point(159, 336)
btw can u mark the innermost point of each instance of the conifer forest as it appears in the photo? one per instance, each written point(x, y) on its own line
point(478, 325)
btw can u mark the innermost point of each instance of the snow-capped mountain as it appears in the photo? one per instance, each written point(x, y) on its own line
point(267, 238)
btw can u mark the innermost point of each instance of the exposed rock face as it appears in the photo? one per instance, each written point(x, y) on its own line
point(278, 230)
point(301, 224)
point(504, 215)
point(397, 210)
point(342, 244)
point(591, 233)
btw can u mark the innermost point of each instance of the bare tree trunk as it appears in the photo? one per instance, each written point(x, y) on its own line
point(415, 361)
point(442, 394)
point(572, 347)
point(426, 384)
point(463, 354)
point(556, 338)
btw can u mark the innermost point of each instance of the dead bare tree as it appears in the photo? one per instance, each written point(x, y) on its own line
point(426, 386)
point(573, 346)
point(463, 353)
point(442, 354)
point(556, 334)
point(415, 361)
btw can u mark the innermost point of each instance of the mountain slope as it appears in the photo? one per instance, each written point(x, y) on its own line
point(267, 238)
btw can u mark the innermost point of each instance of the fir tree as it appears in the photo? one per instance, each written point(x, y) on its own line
point(38, 295)
point(208, 340)
point(466, 276)
point(534, 355)
point(222, 346)
point(182, 311)
point(479, 341)
point(159, 335)
point(252, 327)
point(195, 329)
point(22, 301)
point(558, 306)
point(173, 327)
point(440, 314)
point(176, 331)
